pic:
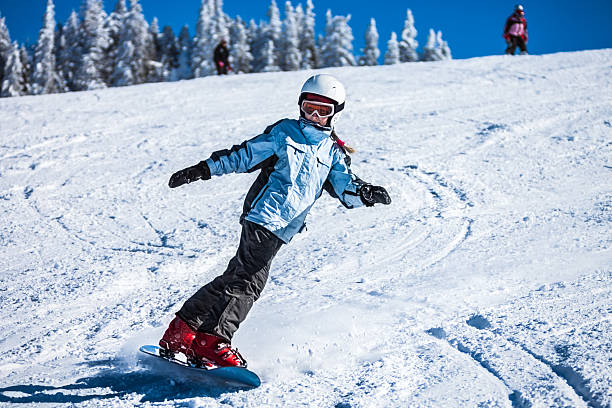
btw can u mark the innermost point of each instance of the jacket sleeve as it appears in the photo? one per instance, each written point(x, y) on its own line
point(507, 26)
point(342, 184)
point(244, 157)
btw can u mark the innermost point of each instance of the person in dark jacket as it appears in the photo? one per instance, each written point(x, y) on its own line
point(221, 58)
point(297, 160)
point(515, 31)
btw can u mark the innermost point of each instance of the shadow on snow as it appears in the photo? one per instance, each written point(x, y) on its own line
point(154, 383)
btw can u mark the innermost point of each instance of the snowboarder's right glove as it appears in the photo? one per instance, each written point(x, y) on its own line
point(371, 195)
point(198, 172)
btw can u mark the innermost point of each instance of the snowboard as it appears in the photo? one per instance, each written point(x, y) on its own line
point(232, 375)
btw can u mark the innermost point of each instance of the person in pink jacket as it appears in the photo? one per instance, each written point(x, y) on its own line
point(515, 31)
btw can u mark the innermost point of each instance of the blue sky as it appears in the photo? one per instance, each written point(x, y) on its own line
point(472, 28)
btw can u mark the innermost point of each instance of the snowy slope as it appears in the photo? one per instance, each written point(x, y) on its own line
point(487, 282)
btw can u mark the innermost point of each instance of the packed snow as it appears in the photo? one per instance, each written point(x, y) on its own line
point(486, 282)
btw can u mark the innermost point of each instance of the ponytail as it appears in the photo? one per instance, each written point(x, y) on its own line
point(343, 146)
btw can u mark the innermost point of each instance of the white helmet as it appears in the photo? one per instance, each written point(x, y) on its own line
point(329, 87)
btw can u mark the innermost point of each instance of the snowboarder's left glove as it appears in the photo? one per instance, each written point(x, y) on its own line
point(198, 172)
point(371, 195)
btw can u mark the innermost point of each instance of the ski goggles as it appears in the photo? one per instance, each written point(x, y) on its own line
point(324, 110)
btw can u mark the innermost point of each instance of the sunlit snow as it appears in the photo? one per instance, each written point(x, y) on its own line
point(486, 282)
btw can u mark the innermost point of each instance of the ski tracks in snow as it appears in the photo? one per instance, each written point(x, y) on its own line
point(448, 227)
point(536, 345)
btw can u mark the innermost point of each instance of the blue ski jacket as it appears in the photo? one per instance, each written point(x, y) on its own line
point(297, 161)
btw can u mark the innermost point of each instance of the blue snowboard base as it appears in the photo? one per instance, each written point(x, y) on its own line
point(236, 375)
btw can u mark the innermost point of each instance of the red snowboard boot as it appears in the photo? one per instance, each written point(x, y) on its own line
point(216, 350)
point(178, 337)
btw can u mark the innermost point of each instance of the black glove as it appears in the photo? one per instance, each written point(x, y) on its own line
point(198, 172)
point(371, 195)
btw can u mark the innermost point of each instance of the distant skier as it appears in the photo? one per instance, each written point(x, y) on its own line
point(221, 58)
point(515, 31)
point(297, 159)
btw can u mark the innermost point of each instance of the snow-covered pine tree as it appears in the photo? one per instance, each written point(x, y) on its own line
point(430, 50)
point(168, 54)
point(444, 48)
point(222, 24)
point(337, 48)
point(115, 21)
point(94, 43)
point(266, 55)
point(299, 22)
point(257, 42)
point(131, 66)
point(44, 78)
point(259, 37)
point(59, 46)
point(141, 42)
point(201, 66)
point(436, 49)
point(183, 70)
point(153, 53)
point(87, 73)
point(26, 62)
point(392, 56)
point(308, 48)
point(59, 28)
point(320, 44)
point(371, 51)
point(269, 58)
point(252, 33)
point(154, 45)
point(123, 72)
point(210, 30)
point(307, 60)
point(290, 55)
point(6, 48)
point(13, 82)
point(70, 55)
point(325, 60)
point(114, 25)
point(274, 30)
point(408, 44)
point(241, 57)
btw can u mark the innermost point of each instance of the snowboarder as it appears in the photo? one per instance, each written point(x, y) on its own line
point(221, 58)
point(515, 31)
point(297, 159)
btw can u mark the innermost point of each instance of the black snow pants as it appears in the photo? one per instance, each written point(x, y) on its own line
point(220, 306)
point(516, 41)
